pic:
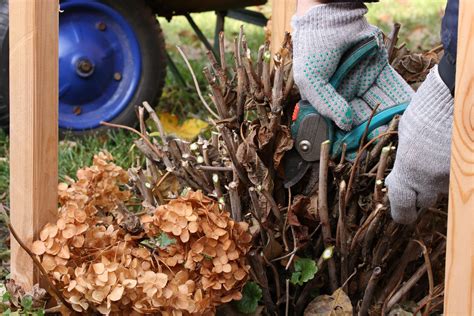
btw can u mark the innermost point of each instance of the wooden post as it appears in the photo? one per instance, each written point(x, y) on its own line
point(282, 11)
point(33, 125)
point(459, 285)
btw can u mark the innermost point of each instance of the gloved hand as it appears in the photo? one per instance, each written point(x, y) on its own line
point(421, 170)
point(320, 38)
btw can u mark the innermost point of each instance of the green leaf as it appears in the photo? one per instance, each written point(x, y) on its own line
point(251, 295)
point(6, 297)
point(148, 243)
point(39, 312)
point(27, 302)
point(164, 240)
point(161, 241)
point(295, 278)
point(155, 134)
point(305, 270)
point(185, 191)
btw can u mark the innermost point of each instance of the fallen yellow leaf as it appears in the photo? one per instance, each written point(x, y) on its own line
point(188, 130)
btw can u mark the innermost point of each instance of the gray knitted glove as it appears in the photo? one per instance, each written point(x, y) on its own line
point(320, 39)
point(421, 170)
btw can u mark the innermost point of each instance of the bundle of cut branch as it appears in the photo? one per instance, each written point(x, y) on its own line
point(331, 235)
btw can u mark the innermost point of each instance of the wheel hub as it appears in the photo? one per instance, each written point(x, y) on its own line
point(95, 44)
point(84, 68)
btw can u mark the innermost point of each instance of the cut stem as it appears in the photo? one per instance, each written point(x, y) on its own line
point(323, 209)
point(369, 292)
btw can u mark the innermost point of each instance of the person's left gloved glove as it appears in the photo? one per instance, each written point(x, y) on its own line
point(421, 170)
point(320, 39)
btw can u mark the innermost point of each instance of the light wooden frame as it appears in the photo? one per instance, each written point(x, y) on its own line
point(34, 139)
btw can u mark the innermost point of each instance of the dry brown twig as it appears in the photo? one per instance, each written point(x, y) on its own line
point(156, 120)
point(323, 210)
point(429, 271)
point(397, 295)
point(52, 288)
point(196, 84)
point(369, 292)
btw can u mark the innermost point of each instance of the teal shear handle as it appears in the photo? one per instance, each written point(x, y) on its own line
point(363, 50)
point(353, 138)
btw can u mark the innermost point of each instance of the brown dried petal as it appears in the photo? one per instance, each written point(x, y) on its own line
point(161, 280)
point(184, 236)
point(48, 263)
point(80, 216)
point(99, 267)
point(116, 293)
point(99, 295)
point(240, 274)
point(64, 252)
point(193, 227)
point(78, 241)
point(61, 223)
point(129, 283)
point(69, 231)
point(38, 248)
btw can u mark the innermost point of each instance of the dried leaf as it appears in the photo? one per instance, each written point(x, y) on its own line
point(283, 143)
point(273, 248)
point(329, 305)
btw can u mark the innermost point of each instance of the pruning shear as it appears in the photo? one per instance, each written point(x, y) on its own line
point(309, 128)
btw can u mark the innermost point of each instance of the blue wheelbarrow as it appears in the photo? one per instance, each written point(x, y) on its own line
point(112, 55)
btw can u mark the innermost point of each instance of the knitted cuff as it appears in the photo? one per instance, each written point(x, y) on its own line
point(434, 103)
point(330, 25)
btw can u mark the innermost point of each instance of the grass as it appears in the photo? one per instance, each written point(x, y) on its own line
point(420, 19)
point(75, 153)
point(183, 100)
point(421, 25)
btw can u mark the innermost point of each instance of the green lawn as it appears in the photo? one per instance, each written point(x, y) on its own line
point(75, 153)
point(420, 19)
point(179, 99)
point(421, 24)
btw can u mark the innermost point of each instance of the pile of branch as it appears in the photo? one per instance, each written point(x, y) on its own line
point(172, 235)
point(339, 216)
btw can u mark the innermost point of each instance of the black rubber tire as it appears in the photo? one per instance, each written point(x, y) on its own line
point(152, 46)
point(4, 86)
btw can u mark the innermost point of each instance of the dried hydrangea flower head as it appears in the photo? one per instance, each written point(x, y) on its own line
point(188, 258)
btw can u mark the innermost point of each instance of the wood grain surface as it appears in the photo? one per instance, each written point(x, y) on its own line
point(459, 286)
point(33, 125)
point(282, 11)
